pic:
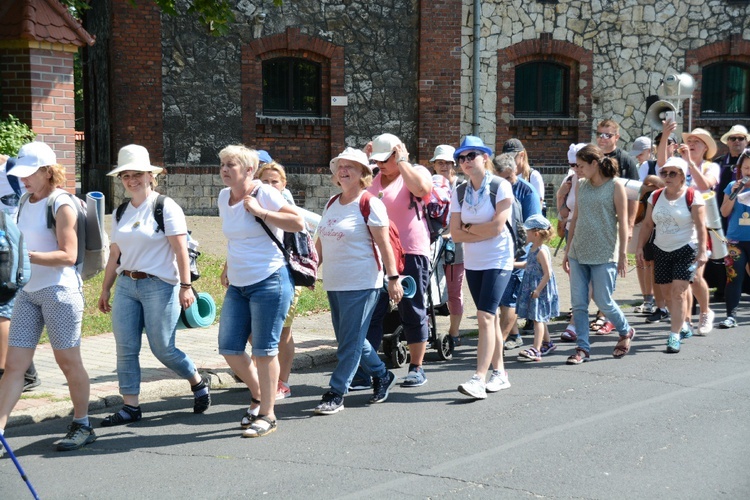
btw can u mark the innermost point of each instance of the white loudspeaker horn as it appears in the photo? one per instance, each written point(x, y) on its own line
point(658, 113)
point(681, 85)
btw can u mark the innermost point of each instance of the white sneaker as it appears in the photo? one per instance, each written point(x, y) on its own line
point(707, 323)
point(474, 388)
point(498, 381)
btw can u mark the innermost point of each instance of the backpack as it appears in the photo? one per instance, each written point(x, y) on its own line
point(515, 225)
point(299, 252)
point(192, 245)
point(14, 273)
point(437, 210)
point(393, 235)
point(93, 243)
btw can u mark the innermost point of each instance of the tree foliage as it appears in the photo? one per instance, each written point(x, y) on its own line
point(216, 14)
point(13, 135)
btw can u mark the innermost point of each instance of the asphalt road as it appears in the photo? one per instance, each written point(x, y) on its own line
point(651, 425)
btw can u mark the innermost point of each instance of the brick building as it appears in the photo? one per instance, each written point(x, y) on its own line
point(38, 40)
point(306, 80)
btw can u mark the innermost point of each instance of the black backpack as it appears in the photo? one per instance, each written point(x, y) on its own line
point(193, 254)
point(515, 225)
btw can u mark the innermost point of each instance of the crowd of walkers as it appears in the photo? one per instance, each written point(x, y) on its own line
point(497, 224)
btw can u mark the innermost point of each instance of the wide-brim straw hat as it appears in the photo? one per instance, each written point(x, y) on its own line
point(705, 136)
point(134, 157)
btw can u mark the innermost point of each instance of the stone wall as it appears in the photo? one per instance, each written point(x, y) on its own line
point(634, 44)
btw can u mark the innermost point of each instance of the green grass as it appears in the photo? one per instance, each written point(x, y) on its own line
point(96, 323)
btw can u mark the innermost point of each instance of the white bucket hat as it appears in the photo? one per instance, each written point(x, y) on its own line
point(351, 154)
point(134, 157)
point(444, 152)
point(573, 151)
point(676, 162)
point(31, 157)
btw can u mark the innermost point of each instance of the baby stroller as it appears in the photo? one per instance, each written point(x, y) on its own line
point(394, 342)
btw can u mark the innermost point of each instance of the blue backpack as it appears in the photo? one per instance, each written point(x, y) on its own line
point(16, 272)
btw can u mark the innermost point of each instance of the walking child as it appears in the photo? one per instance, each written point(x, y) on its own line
point(538, 299)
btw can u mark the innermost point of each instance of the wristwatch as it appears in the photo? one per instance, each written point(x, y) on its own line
point(403, 158)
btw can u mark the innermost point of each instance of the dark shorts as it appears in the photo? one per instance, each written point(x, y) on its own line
point(487, 288)
point(511, 290)
point(413, 311)
point(674, 266)
point(648, 248)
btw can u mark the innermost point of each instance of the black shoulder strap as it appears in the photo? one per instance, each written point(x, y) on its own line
point(494, 187)
point(159, 213)
point(121, 210)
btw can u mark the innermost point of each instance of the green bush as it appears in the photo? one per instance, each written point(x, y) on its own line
point(13, 135)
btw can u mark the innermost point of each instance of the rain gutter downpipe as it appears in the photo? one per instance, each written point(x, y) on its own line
point(475, 76)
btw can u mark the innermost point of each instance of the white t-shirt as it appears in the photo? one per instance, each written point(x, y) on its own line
point(535, 179)
point(493, 253)
point(570, 200)
point(674, 221)
point(349, 261)
point(252, 256)
point(709, 169)
point(144, 249)
point(39, 238)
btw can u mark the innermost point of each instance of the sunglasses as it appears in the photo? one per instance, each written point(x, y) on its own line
point(739, 138)
point(671, 174)
point(468, 157)
point(604, 135)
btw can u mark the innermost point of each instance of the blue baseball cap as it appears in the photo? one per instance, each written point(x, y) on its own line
point(264, 157)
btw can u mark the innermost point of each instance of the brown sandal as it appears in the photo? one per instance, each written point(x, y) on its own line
point(599, 322)
point(623, 345)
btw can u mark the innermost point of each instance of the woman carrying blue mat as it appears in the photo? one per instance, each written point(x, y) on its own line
point(152, 269)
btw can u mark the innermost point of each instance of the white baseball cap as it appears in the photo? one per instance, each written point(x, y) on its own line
point(31, 157)
point(382, 147)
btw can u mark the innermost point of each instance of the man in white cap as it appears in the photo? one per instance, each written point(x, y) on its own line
point(401, 186)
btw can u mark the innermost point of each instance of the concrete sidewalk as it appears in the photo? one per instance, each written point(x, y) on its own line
point(315, 347)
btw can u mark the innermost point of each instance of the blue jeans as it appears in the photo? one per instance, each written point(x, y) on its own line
point(602, 278)
point(351, 312)
point(258, 309)
point(152, 304)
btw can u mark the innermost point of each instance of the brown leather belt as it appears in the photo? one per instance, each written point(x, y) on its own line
point(137, 275)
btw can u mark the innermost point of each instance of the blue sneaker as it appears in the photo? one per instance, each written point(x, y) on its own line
point(360, 384)
point(673, 342)
point(686, 332)
point(414, 378)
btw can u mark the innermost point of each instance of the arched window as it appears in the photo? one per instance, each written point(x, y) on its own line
point(541, 89)
point(291, 86)
point(725, 89)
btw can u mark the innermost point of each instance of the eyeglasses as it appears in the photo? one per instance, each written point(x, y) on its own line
point(604, 135)
point(738, 138)
point(671, 174)
point(468, 157)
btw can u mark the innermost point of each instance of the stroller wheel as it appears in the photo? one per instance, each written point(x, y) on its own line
point(400, 355)
point(445, 346)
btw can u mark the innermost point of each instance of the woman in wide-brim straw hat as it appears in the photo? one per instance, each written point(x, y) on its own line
point(152, 270)
point(697, 150)
point(53, 296)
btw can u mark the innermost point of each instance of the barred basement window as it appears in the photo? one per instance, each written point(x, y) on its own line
point(291, 86)
point(541, 89)
point(725, 89)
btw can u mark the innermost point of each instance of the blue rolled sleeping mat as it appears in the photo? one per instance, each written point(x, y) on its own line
point(199, 315)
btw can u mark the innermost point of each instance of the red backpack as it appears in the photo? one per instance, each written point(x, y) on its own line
point(398, 250)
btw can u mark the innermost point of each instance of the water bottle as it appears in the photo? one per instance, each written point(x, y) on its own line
point(4, 257)
point(694, 265)
point(450, 251)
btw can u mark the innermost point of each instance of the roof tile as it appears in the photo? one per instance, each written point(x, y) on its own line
point(43, 21)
